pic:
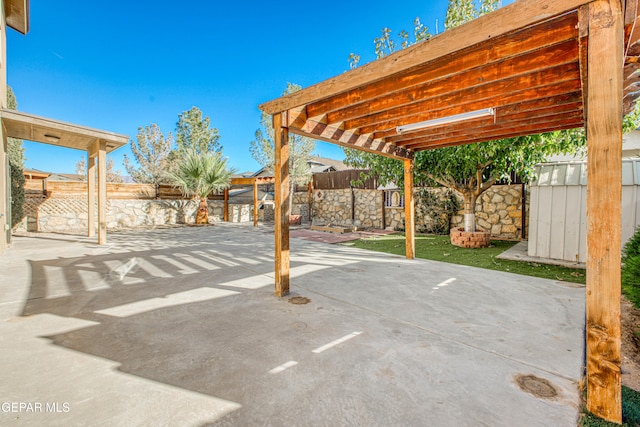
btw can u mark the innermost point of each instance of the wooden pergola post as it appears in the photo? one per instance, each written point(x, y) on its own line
point(310, 198)
point(102, 193)
point(281, 213)
point(91, 189)
point(255, 203)
point(604, 220)
point(409, 210)
point(225, 214)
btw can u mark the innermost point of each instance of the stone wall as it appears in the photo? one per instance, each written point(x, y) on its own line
point(348, 208)
point(69, 214)
point(498, 210)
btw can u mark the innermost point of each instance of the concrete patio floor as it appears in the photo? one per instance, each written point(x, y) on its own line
point(180, 326)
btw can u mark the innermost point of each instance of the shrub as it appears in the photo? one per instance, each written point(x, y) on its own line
point(631, 269)
point(437, 210)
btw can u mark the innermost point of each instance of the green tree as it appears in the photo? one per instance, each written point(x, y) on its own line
point(16, 165)
point(194, 132)
point(300, 149)
point(151, 152)
point(199, 174)
point(473, 168)
point(631, 269)
point(113, 175)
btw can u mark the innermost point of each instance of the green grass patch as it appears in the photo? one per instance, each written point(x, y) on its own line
point(630, 412)
point(439, 248)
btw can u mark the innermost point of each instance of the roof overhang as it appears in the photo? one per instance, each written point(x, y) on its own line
point(16, 14)
point(526, 61)
point(20, 125)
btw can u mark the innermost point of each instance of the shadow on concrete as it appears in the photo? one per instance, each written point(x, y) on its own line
point(188, 315)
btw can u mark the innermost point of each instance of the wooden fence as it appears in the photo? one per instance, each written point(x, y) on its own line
point(114, 191)
point(343, 179)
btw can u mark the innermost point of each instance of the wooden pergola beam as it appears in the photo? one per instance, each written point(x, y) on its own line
point(500, 131)
point(604, 217)
point(517, 15)
point(484, 95)
point(528, 48)
point(523, 71)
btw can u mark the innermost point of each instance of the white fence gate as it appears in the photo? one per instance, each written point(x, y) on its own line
point(557, 218)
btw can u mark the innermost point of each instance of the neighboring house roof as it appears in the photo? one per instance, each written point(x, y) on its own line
point(316, 163)
point(35, 174)
point(329, 164)
point(52, 176)
point(74, 177)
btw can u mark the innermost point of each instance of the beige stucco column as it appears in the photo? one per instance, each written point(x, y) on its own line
point(91, 189)
point(102, 193)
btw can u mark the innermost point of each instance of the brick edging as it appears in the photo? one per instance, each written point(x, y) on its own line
point(473, 240)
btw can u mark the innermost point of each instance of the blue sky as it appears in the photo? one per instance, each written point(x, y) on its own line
point(118, 67)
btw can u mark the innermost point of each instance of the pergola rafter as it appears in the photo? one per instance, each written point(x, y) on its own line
point(541, 65)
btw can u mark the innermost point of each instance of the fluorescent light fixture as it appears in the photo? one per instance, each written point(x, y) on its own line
point(446, 120)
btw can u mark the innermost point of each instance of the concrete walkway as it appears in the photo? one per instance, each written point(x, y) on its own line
point(180, 327)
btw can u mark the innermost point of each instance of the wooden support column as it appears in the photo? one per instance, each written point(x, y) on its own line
point(225, 214)
point(255, 203)
point(604, 220)
point(102, 193)
point(91, 189)
point(310, 199)
point(409, 210)
point(281, 213)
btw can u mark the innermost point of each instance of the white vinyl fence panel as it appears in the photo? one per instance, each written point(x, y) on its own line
point(557, 217)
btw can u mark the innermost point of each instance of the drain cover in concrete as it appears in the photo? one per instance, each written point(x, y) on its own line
point(536, 386)
point(299, 300)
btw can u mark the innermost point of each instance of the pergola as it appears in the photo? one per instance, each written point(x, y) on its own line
point(533, 66)
point(97, 143)
point(254, 181)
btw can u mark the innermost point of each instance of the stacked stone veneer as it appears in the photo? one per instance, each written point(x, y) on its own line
point(498, 210)
point(68, 214)
point(348, 208)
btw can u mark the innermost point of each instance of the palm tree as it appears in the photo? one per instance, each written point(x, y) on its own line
point(198, 175)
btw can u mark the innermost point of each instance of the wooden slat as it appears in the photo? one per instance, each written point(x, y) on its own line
point(515, 123)
point(337, 135)
point(534, 128)
point(464, 98)
point(604, 194)
point(504, 116)
point(532, 40)
point(520, 14)
point(281, 213)
point(583, 25)
point(496, 72)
